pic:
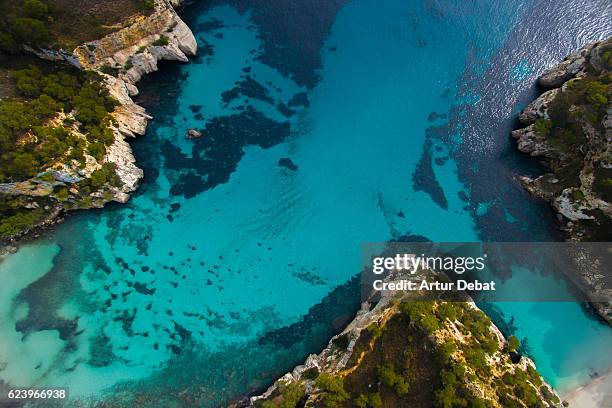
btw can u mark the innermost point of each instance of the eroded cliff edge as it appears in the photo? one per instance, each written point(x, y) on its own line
point(119, 59)
point(402, 351)
point(123, 58)
point(569, 128)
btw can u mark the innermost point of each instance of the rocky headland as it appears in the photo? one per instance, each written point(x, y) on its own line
point(119, 59)
point(404, 351)
point(569, 127)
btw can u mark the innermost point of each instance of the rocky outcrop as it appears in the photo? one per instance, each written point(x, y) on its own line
point(570, 128)
point(129, 54)
point(192, 134)
point(342, 355)
point(575, 140)
point(121, 58)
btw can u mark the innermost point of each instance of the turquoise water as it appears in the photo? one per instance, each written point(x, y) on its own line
point(325, 126)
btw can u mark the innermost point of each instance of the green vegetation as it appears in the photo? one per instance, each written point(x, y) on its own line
point(63, 23)
point(161, 41)
point(23, 22)
point(52, 115)
point(374, 329)
point(388, 377)
point(603, 183)
point(16, 219)
point(334, 394)
point(578, 143)
point(402, 362)
point(291, 394)
point(29, 142)
point(542, 127)
point(369, 401)
point(513, 344)
point(36, 135)
point(148, 4)
point(104, 175)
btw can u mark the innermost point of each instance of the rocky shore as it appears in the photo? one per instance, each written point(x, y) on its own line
point(345, 353)
point(132, 53)
point(121, 58)
point(569, 127)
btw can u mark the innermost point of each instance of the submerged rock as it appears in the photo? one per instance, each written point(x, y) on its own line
point(193, 134)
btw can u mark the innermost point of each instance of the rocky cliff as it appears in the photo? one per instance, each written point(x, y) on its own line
point(569, 127)
point(403, 351)
point(120, 59)
point(129, 54)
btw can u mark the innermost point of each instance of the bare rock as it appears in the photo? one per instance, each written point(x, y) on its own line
point(538, 109)
point(193, 134)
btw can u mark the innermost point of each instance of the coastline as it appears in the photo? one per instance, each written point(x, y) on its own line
point(567, 128)
point(129, 54)
point(377, 310)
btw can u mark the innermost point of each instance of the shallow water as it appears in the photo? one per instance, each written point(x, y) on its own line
point(228, 267)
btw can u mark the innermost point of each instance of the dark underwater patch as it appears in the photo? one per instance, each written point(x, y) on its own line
point(247, 87)
point(287, 163)
point(284, 110)
point(216, 154)
point(340, 300)
point(424, 178)
point(410, 238)
point(292, 37)
point(209, 25)
point(299, 99)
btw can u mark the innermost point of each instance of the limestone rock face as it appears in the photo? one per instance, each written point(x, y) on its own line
point(576, 152)
point(572, 64)
point(530, 142)
point(134, 52)
point(538, 109)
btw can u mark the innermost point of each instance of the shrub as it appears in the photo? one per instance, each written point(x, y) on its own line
point(291, 394)
point(20, 221)
point(369, 401)
point(108, 70)
point(542, 127)
point(161, 41)
point(513, 344)
point(374, 329)
point(334, 393)
point(596, 94)
point(62, 194)
point(148, 5)
point(35, 9)
point(105, 175)
point(388, 376)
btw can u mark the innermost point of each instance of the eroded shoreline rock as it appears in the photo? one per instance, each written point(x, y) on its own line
point(569, 127)
point(130, 53)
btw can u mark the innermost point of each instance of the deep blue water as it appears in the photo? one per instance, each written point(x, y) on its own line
point(325, 125)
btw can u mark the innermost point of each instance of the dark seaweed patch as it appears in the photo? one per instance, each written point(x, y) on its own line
point(284, 110)
point(209, 25)
point(215, 156)
point(424, 178)
point(342, 299)
point(142, 288)
point(247, 87)
point(292, 37)
point(287, 163)
point(299, 99)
